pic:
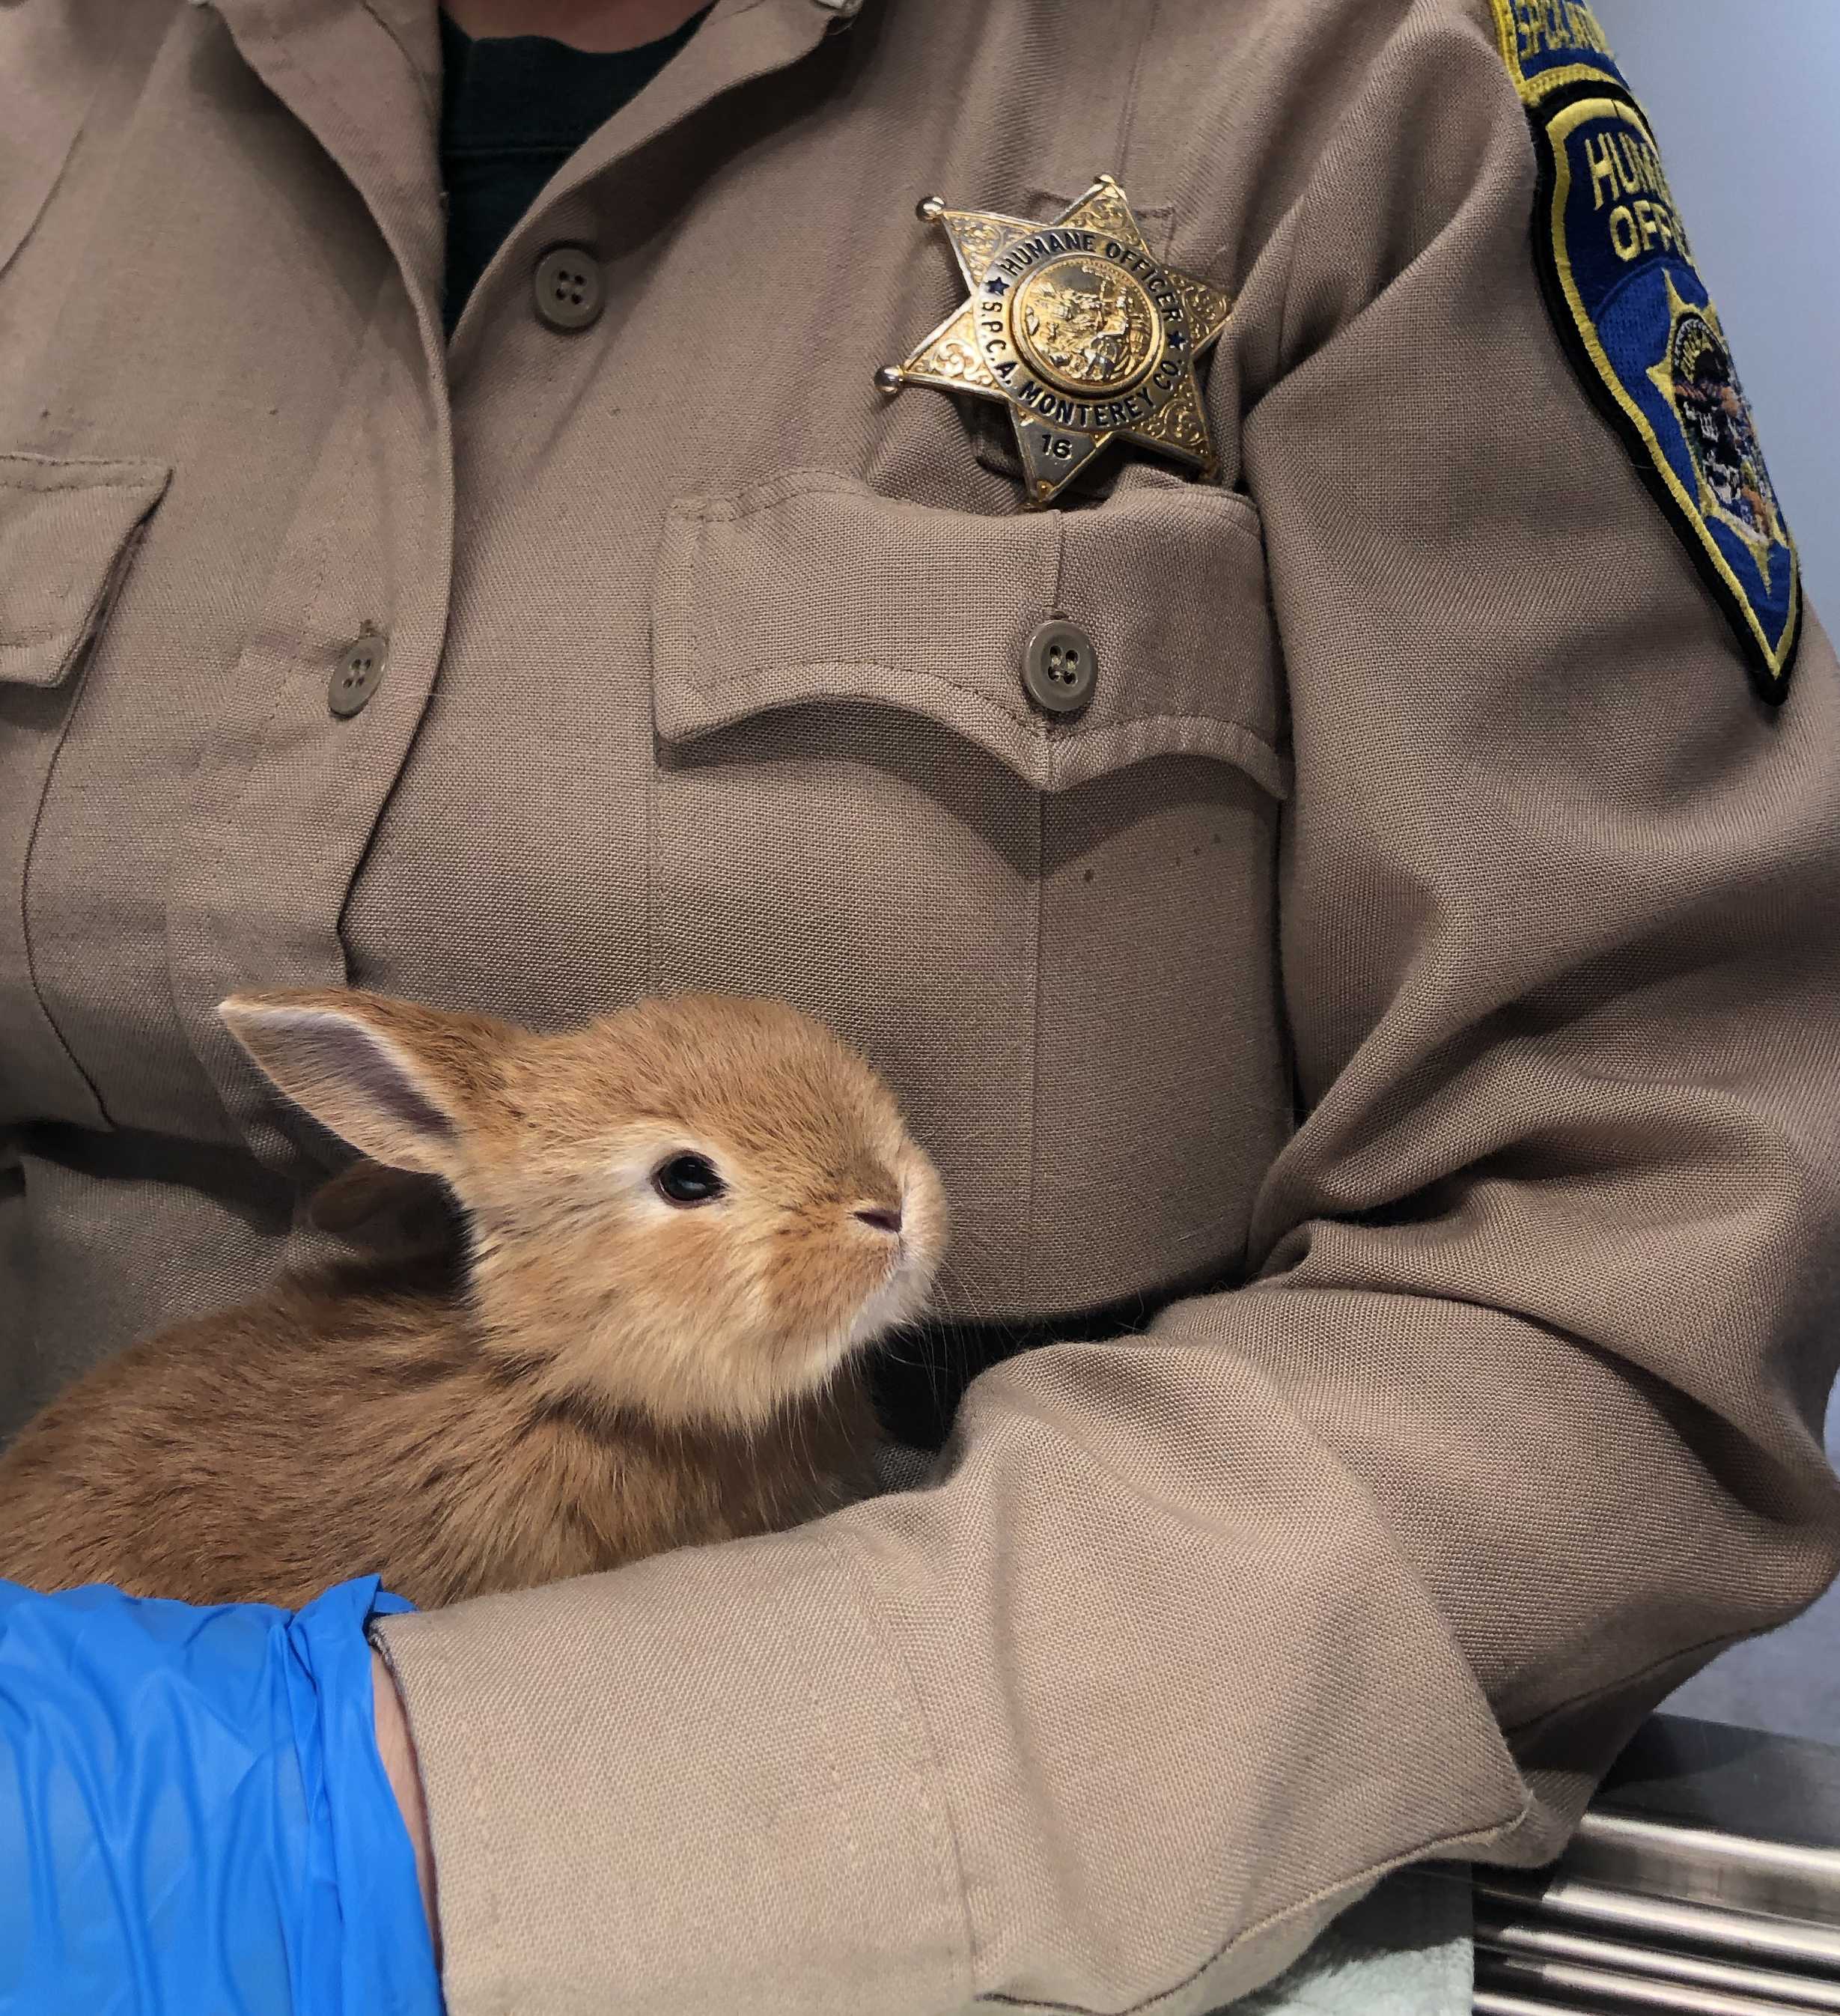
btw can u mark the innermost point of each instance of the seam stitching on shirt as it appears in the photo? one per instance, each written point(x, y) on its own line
point(155, 486)
point(289, 57)
point(424, 84)
point(1077, 738)
point(729, 507)
point(1035, 1004)
point(946, 1834)
point(654, 783)
point(1476, 1836)
point(1724, 1640)
point(19, 639)
point(494, 1914)
point(285, 692)
point(74, 686)
point(852, 1852)
point(1128, 119)
point(1484, 1835)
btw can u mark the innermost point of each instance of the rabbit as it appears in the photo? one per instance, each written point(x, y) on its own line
point(613, 1295)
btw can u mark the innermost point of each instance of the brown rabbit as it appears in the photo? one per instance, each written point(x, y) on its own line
point(619, 1282)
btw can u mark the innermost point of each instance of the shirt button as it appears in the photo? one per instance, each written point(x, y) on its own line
point(568, 287)
point(1060, 667)
point(358, 675)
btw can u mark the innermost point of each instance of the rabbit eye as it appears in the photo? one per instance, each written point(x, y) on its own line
point(687, 1179)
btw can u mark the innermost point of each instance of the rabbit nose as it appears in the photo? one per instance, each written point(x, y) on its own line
point(889, 1221)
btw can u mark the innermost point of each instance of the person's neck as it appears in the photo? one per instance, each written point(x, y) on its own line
point(598, 26)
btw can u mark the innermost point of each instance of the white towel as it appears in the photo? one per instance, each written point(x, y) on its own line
point(1407, 1949)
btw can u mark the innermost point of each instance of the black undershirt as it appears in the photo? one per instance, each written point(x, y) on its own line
point(512, 110)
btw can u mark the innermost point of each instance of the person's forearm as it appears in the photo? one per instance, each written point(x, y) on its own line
point(396, 1747)
point(232, 1877)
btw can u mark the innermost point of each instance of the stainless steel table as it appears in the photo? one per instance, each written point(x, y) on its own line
point(1704, 1881)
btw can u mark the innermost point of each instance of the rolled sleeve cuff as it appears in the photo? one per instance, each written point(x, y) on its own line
point(754, 1783)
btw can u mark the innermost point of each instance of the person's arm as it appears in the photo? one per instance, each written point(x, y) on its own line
point(396, 1749)
point(194, 1812)
point(1384, 1556)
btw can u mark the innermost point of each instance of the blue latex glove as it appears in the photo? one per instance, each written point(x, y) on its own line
point(194, 1820)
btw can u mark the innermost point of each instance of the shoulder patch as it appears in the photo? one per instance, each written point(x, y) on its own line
point(1640, 327)
point(1548, 44)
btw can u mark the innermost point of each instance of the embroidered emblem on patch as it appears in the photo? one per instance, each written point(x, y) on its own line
point(1076, 328)
point(1641, 327)
point(1549, 44)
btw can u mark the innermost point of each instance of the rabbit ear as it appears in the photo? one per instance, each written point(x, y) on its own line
point(402, 1083)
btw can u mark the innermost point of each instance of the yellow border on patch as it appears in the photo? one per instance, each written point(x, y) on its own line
point(1507, 28)
point(1559, 130)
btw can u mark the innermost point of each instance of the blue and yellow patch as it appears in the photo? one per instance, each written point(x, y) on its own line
point(1641, 326)
point(1551, 45)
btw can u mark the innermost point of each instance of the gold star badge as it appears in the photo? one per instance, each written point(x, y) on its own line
point(1079, 330)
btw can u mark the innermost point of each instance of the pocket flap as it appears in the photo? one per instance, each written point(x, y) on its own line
point(68, 529)
point(813, 586)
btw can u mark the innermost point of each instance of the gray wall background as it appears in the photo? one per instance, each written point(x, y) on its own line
point(1742, 94)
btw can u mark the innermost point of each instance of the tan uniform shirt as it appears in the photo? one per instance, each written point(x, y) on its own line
point(1417, 973)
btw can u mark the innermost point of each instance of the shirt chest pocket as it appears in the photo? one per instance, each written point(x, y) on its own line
point(1054, 932)
point(69, 530)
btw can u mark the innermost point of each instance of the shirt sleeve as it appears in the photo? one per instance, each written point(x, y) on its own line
point(1382, 1557)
